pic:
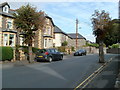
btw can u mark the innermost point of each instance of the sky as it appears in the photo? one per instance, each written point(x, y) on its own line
point(64, 13)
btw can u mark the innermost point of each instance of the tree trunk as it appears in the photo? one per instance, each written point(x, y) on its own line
point(30, 53)
point(101, 52)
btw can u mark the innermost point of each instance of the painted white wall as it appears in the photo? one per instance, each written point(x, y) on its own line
point(57, 39)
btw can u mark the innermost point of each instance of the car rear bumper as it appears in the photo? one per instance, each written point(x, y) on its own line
point(41, 59)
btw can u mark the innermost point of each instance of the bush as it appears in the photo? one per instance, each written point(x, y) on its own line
point(93, 45)
point(7, 53)
point(115, 46)
point(34, 50)
point(65, 43)
point(72, 48)
point(61, 49)
point(25, 49)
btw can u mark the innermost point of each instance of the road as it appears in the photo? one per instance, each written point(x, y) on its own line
point(67, 73)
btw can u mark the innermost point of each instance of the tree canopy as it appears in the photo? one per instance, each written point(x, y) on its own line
point(28, 20)
point(101, 22)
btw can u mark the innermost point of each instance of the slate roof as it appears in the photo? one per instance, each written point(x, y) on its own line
point(9, 14)
point(73, 36)
point(58, 30)
point(3, 4)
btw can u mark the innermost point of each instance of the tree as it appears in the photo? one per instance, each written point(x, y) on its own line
point(112, 37)
point(65, 43)
point(101, 22)
point(28, 20)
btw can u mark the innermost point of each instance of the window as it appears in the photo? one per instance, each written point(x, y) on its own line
point(45, 42)
point(11, 40)
point(9, 24)
point(49, 30)
point(56, 50)
point(53, 44)
point(49, 40)
point(45, 30)
point(53, 36)
point(5, 39)
point(5, 9)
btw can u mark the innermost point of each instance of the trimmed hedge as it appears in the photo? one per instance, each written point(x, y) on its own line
point(7, 53)
point(114, 46)
point(25, 49)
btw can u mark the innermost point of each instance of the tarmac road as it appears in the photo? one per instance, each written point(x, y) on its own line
point(67, 73)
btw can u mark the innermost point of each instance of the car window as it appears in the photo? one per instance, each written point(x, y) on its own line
point(52, 50)
point(56, 50)
point(41, 51)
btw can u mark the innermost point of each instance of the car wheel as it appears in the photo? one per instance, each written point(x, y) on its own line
point(50, 59)
point(61, 57)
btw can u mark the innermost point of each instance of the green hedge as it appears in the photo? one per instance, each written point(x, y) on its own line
point(25, 49)
point(93, 45)
point(7, 53)
point(115, 46)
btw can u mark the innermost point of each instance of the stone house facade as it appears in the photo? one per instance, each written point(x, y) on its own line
point(43, 37)
point(60, 37)
point(47, 37)
point(7, 30)
point(80, 40)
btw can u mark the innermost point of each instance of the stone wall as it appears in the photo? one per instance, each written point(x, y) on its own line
point(114, 50)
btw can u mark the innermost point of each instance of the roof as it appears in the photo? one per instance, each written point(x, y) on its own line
point(58, 30)
point(6, 14)
point(73, 36)
point(10, 13)
point(3, 4)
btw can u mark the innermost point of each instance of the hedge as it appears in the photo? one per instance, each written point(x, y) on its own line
point(25, 49)
point(7, 53)
point(114, 46)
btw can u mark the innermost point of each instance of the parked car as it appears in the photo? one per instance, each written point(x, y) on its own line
point(48, 55)
point(80, 52)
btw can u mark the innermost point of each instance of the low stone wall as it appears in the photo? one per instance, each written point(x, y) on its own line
point(114, 50)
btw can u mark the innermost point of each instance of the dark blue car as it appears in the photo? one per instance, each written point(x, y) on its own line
point(48, 55)
point(80, 52)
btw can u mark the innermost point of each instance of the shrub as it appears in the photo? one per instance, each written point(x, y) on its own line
point(93, 45)
point(25, 49)
point(61, 49)
point(7, 53)
point(72, 48)
point(115, 46)
point(65, 43)
point(34, 50)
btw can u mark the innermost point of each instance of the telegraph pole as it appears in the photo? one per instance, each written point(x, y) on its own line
point(119, 10)
point(76, 34)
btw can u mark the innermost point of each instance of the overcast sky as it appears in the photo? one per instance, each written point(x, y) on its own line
point(64, 13)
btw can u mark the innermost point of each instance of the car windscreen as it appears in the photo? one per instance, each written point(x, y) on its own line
point(41, 51)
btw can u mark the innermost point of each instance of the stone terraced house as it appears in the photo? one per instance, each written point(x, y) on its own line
point(7, 30)
point(50, 36)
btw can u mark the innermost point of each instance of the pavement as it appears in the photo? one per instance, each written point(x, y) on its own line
point(109, 77)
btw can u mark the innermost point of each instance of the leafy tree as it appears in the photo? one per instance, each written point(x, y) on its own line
point(65, 43)
point(113, 36)
point(101, 23)
point(28, 20)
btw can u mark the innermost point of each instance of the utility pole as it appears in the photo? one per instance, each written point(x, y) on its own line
point(76, 34)
point(119, 10)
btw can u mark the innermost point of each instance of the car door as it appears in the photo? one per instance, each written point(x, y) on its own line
point(53, 53)
point(58, 55)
